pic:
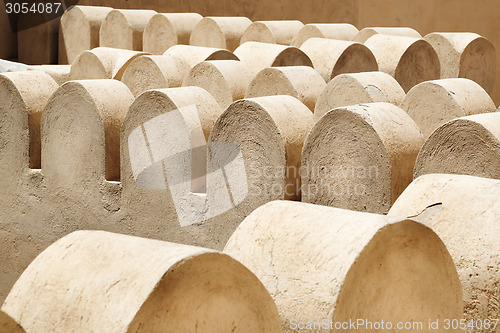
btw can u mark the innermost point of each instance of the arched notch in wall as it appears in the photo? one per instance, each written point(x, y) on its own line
point(81, 132)
point(23, 95)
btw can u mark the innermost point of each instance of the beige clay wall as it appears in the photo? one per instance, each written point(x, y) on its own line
point(437, 16)
point(424, 15)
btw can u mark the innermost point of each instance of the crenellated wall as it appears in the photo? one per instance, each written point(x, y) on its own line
point(425, 16)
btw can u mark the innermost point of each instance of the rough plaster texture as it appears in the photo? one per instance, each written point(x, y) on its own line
point(360, 157)
point(219, 32)
point(466, 55)
point(258, 56)
point(327, 263)
point(366, 33)
point(165, 30)
point(274, 32)
point(94, 281)
point(60, 73)
point(431, 104)
point(409, 60)
point(357, 88)
point(154, 72)
point(467, 145)
point(149, 194)
point(28, 208)
point(45, 205)
point(84, 161)
point(124, 28)
point(467, 222)
point(342, 31)
point(312, 11)
point(79, 31)
point(102, 63)
point(226, 80)
point(23, 96)
point(270, 132)
point(426, 16)
point(333, 57)
point(301, 82)
point(429, 16)
point(193, 55)
point(169, 151)
point(8, 325)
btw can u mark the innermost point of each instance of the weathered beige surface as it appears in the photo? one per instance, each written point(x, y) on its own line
point(94, 281)
point(154, 72)
point(333, 57)
point(219, 32)
point(164, 161)
point(193, 55)
point(23, 96)
point(208, 192)
point(60, 73)
point(165, 30)
point(270, 132)
point(79, 31)
point(342, 31)
point(258, 56)
point(360, 157)
point(102, 63)
point(165, 183)
point(357, 88)
point(426, 16)
point(84, 153)
point(432, 103)
point(124, 28)
point(226, 80)
point(468, 145)
point(466, 55)
point(467, 222)
point(366, 33)
point(8, 325)
point(409, 60)
point(301, 82)
point(274, 32)
point(322, 263)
